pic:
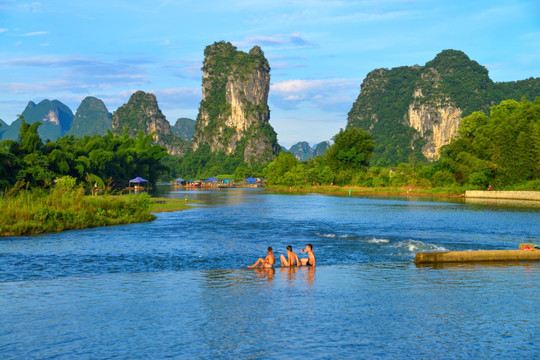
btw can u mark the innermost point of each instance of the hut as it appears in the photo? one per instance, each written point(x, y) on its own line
point(137, 183)
point(179, 183)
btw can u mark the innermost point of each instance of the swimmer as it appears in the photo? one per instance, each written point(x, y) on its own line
point(267, 262)
point(292, 258)
point(310, 261)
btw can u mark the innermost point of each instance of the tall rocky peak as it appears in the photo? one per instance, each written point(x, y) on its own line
point(412, 111)
point(185, 128)
point(142, 113)
point(302, 151)
point(320, 148)
point(55, 116)
point(92, 117)
point(234, 115)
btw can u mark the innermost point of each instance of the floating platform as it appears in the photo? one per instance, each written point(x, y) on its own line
point(527, 252)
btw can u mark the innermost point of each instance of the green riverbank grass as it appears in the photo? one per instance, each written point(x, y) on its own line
point(40, 211)
point(168, 205)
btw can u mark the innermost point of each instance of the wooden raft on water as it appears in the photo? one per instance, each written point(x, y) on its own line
point(526, 252)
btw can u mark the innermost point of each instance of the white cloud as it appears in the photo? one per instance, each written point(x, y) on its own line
point(293, 39)
point(35, 33)
point(329, 95)
point(33, 7)
point(3, 30)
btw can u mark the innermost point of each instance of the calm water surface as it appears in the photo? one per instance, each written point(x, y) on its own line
point(178, 287)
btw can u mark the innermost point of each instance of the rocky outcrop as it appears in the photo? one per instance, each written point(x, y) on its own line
point(142, 113)
point(412, 111)
point(435, 123)
point(55, 116)
point(234, 115)
point(92, 117)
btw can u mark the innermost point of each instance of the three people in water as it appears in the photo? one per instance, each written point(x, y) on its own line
point(291, 260)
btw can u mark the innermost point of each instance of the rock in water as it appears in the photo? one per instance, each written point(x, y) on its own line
point(234, 115)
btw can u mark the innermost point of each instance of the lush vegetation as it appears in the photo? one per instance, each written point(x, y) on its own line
point(451, 78)
point(109, 160)
point(64, 207)
point(202, 164)
point(502, 150)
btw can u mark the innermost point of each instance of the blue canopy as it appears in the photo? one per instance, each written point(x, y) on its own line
point(250, 179)
point(179, 180)
point(137, 179)
point(212, 179)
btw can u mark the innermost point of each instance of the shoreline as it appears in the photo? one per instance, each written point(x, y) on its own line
point(61, 219)
point(365, 191)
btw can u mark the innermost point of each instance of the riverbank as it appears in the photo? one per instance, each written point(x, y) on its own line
point(38, 211)
point(369, 191)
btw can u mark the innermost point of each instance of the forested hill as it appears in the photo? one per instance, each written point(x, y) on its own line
point(92, 117)
point(185, 128)
point(142, 113)
point(412, 111)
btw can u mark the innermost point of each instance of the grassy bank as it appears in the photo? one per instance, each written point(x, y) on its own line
point(369, 191)
point(167, 205)
point(43, 211)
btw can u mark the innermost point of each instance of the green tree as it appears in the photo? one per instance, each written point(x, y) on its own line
point(352, 149)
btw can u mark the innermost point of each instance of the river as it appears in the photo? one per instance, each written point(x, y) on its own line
point(178, 287)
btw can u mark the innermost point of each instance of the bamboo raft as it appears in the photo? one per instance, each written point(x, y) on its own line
point(526, 252)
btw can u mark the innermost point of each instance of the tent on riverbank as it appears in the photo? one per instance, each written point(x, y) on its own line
point(137, 183)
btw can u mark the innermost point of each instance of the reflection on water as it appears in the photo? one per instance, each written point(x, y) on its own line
point(178, 287)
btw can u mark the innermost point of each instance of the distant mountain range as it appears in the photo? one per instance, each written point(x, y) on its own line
point(92, 117)
point(185, 128)
point(302, 151)
point(55, 116)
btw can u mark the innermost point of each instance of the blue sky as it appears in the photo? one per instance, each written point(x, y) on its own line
point(319, 50)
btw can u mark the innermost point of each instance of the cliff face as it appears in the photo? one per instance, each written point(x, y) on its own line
point(142, 113)
point(412, 111)
point(435, 123)
point(234, 115)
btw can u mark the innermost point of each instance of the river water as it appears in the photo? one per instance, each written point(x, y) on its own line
point(178, 287)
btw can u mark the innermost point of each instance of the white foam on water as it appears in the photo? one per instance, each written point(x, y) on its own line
point(378, 241)
point(327, 235)
point(416, 246)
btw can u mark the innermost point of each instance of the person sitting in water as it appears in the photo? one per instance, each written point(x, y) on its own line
point(268, 261)
point(292, 258)
point(310, 261)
